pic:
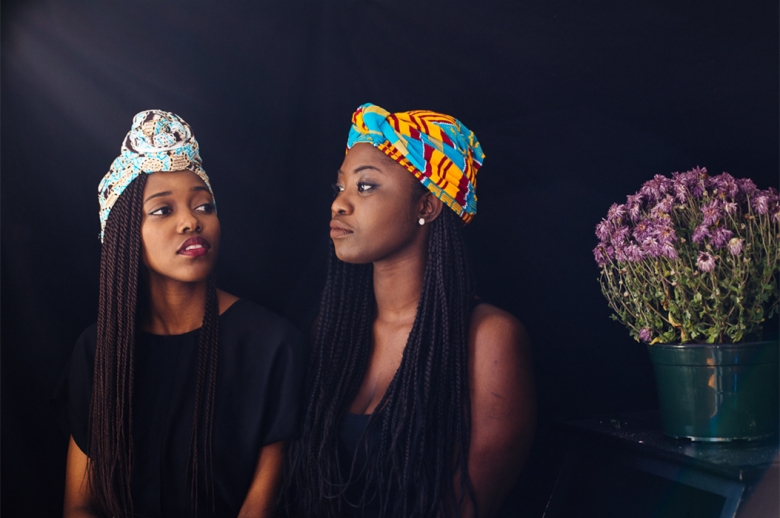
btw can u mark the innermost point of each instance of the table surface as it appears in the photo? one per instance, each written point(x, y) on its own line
point(641, 433)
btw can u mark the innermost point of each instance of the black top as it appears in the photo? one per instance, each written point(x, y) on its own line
point(354, 460)
point(260, 372)
point(353, 463)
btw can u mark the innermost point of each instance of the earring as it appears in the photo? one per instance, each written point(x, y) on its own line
point(421, 221)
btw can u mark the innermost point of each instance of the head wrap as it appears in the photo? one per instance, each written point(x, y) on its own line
point(157, 141)
point(437, 149)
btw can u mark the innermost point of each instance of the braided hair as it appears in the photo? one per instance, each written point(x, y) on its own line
point(110, 450)
point(418, 436)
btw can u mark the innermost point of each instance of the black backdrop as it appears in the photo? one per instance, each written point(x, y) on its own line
point(576, 103)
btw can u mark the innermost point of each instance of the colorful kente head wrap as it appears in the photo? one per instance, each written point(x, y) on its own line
point(437, 149)
point(157, 141)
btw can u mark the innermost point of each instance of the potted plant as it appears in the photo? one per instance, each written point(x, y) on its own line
point(690, 265)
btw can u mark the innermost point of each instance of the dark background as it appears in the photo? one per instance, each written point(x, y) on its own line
point(576, 103)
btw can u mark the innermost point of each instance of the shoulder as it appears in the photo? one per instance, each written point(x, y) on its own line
point(90, 333)
point(493, 331)
point(500, 366)
point(87, 340)
point(246, 320)
point(225, 300)
point(503, 402)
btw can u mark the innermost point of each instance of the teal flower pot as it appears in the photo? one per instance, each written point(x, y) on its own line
point(718, 392)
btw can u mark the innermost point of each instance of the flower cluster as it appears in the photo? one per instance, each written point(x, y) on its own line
point(692, 258)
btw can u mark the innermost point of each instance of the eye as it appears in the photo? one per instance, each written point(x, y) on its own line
point(208, 208)
point(162, 211)
point(336, 189)
point(365, 187)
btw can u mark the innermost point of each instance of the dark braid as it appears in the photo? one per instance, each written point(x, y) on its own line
point(208, 340)
point(111, 413)
point(423, 420)
point(110, 449)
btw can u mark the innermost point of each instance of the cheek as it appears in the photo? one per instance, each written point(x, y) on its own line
point(216, 233)
point(147, 252)
point(151, 244)
point(380, 235)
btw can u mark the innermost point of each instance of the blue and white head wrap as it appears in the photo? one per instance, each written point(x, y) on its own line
point(157, 141)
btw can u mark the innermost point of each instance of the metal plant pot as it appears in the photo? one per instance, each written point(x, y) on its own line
point(718, 392)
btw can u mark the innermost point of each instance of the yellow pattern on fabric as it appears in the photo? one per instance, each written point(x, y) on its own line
point(438, 149)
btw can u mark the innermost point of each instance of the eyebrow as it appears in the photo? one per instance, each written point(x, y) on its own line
point(157, 195)
point(168, 193)
point(363, 168)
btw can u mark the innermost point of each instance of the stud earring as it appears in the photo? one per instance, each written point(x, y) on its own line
point(421, 221)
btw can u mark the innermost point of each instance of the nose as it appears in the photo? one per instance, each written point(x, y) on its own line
point(341, 204)
point(189, 222)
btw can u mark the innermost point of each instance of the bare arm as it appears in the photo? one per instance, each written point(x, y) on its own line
point(261, 498)
point(503, 406)
point(77, 495)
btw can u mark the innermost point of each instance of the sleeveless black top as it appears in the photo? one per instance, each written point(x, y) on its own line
point(351, 429)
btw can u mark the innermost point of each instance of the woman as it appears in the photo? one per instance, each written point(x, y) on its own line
point(421, 398)
point(182, 395)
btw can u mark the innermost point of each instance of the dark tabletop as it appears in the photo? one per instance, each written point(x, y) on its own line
point(640, 432)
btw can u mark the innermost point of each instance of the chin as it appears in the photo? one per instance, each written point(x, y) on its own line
point(193, 275)
point(351, 257)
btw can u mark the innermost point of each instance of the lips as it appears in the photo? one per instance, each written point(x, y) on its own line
point(338, 229)
point(194, 247)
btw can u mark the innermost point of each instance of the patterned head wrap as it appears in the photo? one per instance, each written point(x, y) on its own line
point(157, 141)
point(437, 149)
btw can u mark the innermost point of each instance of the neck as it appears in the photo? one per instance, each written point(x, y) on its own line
point(398, 284)
point(174, 307)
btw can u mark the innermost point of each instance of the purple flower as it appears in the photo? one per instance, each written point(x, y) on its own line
point(701, 232)
point(761, 203)
point(653, 190)
point(651, 247)
point(711, 212)
point(620, 253)
point(628, 252)
point(620, 235)
point(663, 207)
point(698, 181)
point(603, 230)
point(720, 237)
point(666, 234)
point(644, 334)
point(746, 186)
point(706, 262)
point(774, 201)
point(634, 206)
point(616, 212)
point(600, 255)
point(725, 185)
point(730, 208)
point(633, 253)
point(668, 250)
point(680, 186)
point(776, 215)
point(603, 254)
point(641, 230)
point(735, 246)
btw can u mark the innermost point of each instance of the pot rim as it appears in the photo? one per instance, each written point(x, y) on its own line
point(739, 345)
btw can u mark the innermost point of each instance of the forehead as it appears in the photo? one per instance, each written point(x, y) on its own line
point(172, 181)
point(364, 154)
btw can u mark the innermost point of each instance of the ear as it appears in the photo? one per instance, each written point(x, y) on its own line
point(430, 207)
